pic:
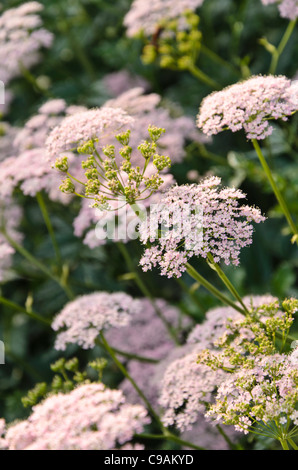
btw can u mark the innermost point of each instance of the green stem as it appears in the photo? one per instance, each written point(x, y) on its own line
point(47, 220)
point(126, 374)
point(276, 191)
point(202, 77)
point(130, 356)
point(20, 249)
point(191, 293)
point(284, 444)
point(226, 281)
point(227, 439)
point(219, 60)
point(76, 44)
point(279, 50)
point(19, 308)
point(295, 447)
point(195, 275)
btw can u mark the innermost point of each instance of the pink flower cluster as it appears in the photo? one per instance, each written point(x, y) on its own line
point(267, 391)
point(121, 81)
point(186, 388)
point(7, 136)
point(194, 220)
point(248, 105)
point(146, 17)
point(28, 165)
point(21, 38)
point(91, 417)
point(287, 8)
point(82, 319)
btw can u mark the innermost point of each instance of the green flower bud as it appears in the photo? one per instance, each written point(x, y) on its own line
point(89, 163)
point(195, 36)
point(91, 174)
point(114, 185)
point(111, 174)
point(125, 152)
point(87, 147)
point(192, 19)
point(101, 203)
point(135, 175)
point(126, 166)
point(161, 162)
point(181, 36)
point(153, 182)
point(149, 54)
point(62, 164)
point(155, 132)
point(67, 186)
point(92, 187)
point(167, 61)
point(184, 62)
point(109, 151)
point(72, 364)
point(147, 149)
point(123, 138)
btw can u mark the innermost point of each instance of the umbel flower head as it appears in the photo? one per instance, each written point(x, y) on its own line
point(90, 417)
point(108, 176)
point(287, 8)
point(82, 319)
point(260, 387)
point(266, 392)
point(248, 105)
point(197, 220)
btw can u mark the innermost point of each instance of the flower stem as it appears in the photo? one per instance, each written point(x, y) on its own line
point(20, 249)
point(279, 50)
point(19, 308)
point(228, 440)
point(202, 77)
point(195, 275)
point(276, 191)
point(47, 220)
point(295, 447)
point(126, 374)
point(226, 281)
point(219, 60)
point(284, 444)
point(130, 356)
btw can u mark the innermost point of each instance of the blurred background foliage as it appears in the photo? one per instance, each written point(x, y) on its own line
point(90, 42)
